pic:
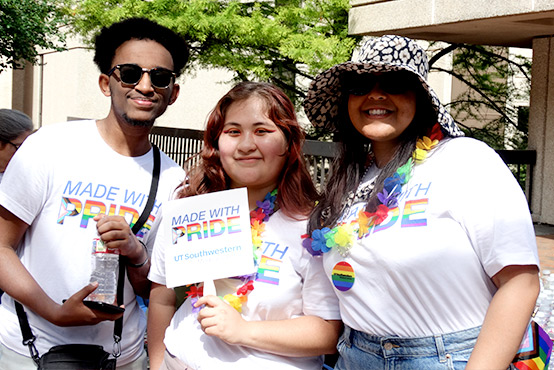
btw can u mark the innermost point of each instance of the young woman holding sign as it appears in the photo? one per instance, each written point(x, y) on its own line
point(286, 315)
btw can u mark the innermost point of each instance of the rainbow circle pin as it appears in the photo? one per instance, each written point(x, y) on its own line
point(343, 276)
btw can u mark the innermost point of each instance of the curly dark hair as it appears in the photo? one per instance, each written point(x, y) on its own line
point(110, 38)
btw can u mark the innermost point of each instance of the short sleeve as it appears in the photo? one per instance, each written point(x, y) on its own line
point(157, 262)
point(25, 185)
point(318, 295)
point(157, 239)
point(491, 206)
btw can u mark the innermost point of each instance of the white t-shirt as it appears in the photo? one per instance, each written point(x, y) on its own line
point(427, 268)
point(57, 181)
point(290, 283)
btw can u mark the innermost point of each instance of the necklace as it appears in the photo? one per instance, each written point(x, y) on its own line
point(343, 235)
point(258, 217)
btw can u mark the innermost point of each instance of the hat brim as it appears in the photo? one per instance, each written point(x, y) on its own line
point(326, 94)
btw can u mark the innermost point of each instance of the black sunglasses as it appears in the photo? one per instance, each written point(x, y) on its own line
point(16, 146)
point(393, 83)
point(131, 74)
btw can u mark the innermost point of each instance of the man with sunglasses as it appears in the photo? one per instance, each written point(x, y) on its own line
point(75, 182)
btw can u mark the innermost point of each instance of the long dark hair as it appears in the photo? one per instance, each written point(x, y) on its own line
point(349, 166)
point(296, 192)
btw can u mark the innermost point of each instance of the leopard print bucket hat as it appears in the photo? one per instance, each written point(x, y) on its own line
point(384, 54)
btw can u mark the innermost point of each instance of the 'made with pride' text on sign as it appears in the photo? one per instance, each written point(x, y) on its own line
point(210, 237)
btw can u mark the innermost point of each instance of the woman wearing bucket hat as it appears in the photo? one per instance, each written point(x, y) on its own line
point(426, 235)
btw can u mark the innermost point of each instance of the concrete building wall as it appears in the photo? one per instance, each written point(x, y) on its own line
point(6, 89)
point(541, 129)
point(509, 22)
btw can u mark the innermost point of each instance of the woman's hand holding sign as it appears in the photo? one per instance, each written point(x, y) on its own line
point(220, 319)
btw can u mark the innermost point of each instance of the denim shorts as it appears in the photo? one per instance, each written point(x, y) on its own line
point(450, 351)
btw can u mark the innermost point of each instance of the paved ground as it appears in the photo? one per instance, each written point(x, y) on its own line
point(545, 245)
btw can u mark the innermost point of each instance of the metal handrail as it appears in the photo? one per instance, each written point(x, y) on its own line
point(182, 145)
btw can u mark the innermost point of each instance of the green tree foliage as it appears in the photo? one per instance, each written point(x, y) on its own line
point(495, 84)
point(278, 41)
point(26, 25)
point(287, 42)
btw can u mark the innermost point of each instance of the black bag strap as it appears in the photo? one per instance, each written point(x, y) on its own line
point(28, 337)
point(153, 190)
point(118, 327)
point(27, 333)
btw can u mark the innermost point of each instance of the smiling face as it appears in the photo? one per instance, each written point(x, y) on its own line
point(382, 117)
point(141, 104)
point(252, 148)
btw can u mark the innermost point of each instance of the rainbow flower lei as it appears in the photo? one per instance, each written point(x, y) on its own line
point(343, 236)
point(258, 216)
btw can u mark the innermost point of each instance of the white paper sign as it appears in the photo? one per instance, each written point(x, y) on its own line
point(210, 237)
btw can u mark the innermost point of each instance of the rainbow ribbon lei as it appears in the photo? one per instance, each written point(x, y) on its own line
point(343, 236)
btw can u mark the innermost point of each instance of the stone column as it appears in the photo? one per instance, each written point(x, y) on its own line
point(22, 89)
point(541, 129)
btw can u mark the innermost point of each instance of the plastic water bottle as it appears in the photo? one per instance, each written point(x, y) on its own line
point(105, 270)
